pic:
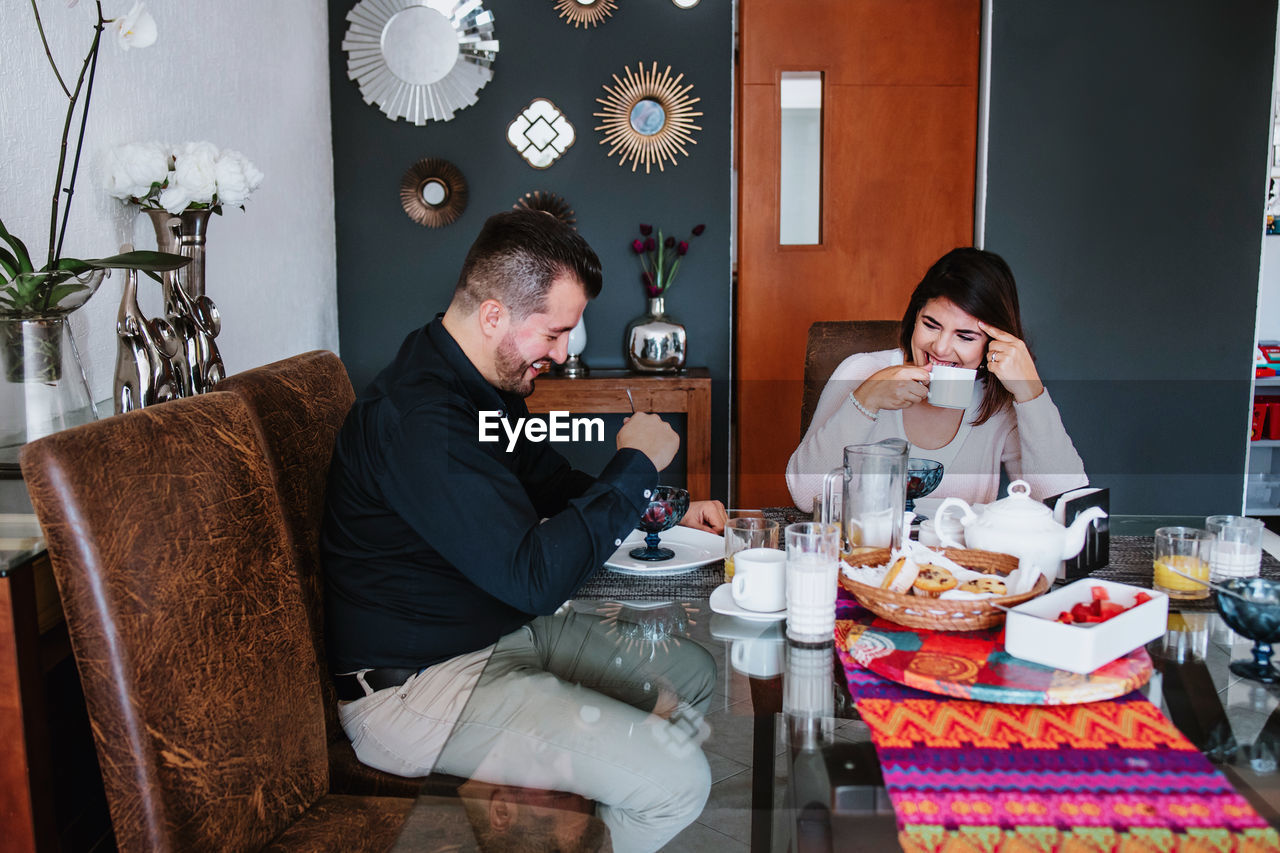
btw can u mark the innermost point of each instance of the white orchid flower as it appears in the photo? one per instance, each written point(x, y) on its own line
point(136, 29)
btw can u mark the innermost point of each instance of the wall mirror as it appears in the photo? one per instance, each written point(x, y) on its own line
point(685, 4)
point(433, 192)
point(585, 13)
point(540, 133)
point(420, 60)
point(648, 117)
point(547, 202)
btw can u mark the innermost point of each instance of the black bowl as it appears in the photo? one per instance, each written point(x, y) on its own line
point(1257, 619)
point(667, 505)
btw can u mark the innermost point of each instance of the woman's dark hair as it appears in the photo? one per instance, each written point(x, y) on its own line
point(517, 257)
point(980, 284)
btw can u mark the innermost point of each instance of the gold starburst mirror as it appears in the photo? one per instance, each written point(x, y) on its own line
point(433, 192)
point(648, 117)
point(584, 13)
point(420, 60)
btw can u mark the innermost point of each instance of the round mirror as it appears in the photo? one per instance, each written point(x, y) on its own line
point(648, 117)
point(419, 45)
point(685, 4)
point(585, 13)
point(434, 192)
point(420, 60)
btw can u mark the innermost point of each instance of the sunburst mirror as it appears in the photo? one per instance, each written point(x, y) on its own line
point(584, 13)
point(433, 192)
point(648, 117)
point(420, 60)
point(547, 202)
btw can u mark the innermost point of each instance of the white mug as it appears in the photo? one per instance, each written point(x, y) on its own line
point(760, 579)
point(951, 387)
point(761, 658)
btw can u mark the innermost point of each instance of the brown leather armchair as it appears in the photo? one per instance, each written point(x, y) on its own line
point(193, 642)
point(832, 342)
point(299, 405)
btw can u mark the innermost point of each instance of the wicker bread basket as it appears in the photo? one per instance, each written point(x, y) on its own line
point(938, 614)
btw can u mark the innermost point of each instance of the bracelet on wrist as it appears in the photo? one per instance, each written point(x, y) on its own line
point(857, 404)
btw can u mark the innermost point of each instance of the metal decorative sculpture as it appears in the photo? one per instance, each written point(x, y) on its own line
point(648, 117)
point(145, 354)
point(547, 202)
point(193, 315)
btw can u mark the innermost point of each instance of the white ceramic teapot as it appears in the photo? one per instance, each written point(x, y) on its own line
point(1020, 526)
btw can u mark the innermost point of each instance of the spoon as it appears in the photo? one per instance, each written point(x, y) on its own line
point(1213, 586)
point(632, 400)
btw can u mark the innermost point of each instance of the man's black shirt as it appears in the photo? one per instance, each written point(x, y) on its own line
point(432, 542)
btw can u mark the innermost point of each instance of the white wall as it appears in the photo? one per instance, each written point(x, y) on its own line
point(241, 74)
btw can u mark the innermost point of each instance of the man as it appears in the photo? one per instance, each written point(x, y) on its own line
point(445, 557)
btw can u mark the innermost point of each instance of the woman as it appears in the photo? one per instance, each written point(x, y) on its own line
point(963, 313)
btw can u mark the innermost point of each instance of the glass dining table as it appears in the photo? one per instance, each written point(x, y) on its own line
point(792, 760)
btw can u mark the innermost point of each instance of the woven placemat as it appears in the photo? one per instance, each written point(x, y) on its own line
point(1130, 563)
point(698, 583)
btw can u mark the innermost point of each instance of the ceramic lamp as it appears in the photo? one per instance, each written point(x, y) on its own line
point(574, 365)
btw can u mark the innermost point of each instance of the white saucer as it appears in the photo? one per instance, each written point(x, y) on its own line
point(722, 602)
point(693, 548)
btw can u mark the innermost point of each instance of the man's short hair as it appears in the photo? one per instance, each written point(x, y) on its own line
point(517, 256)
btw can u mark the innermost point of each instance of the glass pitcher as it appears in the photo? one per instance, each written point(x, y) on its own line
point(873, 504)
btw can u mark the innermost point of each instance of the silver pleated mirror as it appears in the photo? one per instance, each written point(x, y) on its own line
point(420, 60)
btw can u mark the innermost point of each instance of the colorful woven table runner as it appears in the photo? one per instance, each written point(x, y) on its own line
point(1102, 776)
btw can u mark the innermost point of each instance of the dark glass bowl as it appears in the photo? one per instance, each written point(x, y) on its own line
point(1257, 619)
point(667, 505)
point(923, 476)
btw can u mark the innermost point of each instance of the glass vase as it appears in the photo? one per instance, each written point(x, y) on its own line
point(655, 341)
point(43, 387)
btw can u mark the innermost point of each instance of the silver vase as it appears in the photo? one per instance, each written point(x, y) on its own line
point(655, 342)
point(192, 314)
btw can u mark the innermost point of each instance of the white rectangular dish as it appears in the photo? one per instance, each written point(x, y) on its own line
point(1083, 648)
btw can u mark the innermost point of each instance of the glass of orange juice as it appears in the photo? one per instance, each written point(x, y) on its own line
point(747, 529)
point(1186, 550)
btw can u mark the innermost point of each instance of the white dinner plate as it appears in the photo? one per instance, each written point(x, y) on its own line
point(722, 602)
point(693, 548)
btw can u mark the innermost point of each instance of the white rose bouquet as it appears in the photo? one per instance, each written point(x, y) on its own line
point(190, 176)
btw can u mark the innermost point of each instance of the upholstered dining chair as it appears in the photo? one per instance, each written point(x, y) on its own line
point(831, 342)
point(195, 651)
point(299, 404)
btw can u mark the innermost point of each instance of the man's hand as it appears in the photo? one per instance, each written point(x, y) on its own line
point(705, 515)
point(652, 436)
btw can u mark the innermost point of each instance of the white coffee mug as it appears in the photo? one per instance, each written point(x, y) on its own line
point(761, 658)
point(760, 579)
point(951, 387)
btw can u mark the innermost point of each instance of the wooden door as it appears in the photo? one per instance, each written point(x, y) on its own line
point(899, 153)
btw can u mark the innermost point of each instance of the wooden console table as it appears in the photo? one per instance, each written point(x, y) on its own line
point(605, 391)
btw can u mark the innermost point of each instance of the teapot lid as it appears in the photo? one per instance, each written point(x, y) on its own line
point(1019, 506)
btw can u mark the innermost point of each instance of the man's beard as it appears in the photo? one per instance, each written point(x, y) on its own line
point(511, 368)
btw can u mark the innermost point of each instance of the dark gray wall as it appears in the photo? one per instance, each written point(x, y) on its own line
point(394, 275)
point(1127, 176)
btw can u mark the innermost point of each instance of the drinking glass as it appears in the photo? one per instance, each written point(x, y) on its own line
point(747, 529)
point(1236, 549)
point(874, 479)
point(813, 554)
point(1185, 549)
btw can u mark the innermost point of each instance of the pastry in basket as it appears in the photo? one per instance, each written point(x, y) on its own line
point(981, 585)
point(901, 575)
point(933, 581)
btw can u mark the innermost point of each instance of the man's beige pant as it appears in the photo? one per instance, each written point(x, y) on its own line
point(563, 704)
